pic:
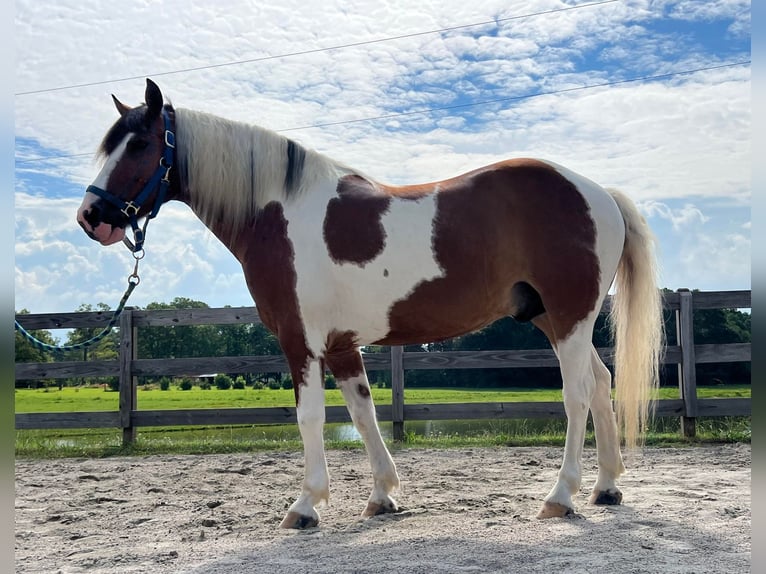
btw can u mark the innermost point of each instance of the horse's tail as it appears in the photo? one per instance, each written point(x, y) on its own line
point(636, 322)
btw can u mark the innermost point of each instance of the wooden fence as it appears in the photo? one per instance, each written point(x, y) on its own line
point(684, 353)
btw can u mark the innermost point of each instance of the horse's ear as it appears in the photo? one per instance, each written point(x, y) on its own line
point(153, 98)
point(122, 108)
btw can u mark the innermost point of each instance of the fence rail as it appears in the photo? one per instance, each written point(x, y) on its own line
point(128, 368)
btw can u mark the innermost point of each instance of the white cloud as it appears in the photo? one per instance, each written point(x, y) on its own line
point(687, 216)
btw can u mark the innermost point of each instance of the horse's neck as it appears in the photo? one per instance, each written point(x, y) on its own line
point(230, 171)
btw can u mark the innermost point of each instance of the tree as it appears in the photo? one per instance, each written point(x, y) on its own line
point(179, 341)
point(26, 352)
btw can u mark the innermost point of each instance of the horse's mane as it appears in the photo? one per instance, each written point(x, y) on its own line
point(233, 169)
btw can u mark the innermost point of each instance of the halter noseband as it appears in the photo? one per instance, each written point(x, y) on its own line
point(159, 181)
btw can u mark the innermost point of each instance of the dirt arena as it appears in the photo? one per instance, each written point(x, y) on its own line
point(465, 510)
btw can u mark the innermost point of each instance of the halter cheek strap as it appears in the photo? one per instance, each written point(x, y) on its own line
point(160, 182)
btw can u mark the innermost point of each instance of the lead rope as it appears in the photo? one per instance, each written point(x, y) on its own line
point(133, 281)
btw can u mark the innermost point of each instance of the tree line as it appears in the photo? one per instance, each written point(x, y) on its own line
point(719, 326)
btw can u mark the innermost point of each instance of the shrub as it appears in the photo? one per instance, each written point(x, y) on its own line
point(239, 383)
point(186, 384)
point(258, 385)
point(222, 381)
point(287, 382)
point(164, 384)
point(274, 384)
point(329, 382)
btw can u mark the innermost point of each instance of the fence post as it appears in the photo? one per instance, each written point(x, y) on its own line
point(128, 383)
point(687, 368)
point(397, 392)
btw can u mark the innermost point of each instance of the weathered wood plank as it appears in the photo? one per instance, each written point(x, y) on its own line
point(79, 319)
point(74, 420)
point(480, 359)
point(728, 353)
point(240, 416)
point(66, 369)
point(214, 316)
point(246, 364)
point(687, 373)
point(732, 407)
point(127, 388)
point(397, 392)
point(195, 417)
point(457, 411)
point(722, 300)
point(668, 408)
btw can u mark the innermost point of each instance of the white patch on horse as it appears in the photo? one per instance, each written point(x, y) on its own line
point(607, 220)
point(360, 297)
point(104, 233)
point(102, 179)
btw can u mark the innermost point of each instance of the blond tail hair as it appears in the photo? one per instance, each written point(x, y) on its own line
point(637, 324)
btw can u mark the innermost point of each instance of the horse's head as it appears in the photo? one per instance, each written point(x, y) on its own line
point(134, 180)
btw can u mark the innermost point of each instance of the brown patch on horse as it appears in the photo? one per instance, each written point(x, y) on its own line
point(353, 231)
point(342, 355)
point(515, 238)
point(267, 257)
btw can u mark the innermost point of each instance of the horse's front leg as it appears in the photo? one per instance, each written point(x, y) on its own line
point(348, 368)
point(309, 393)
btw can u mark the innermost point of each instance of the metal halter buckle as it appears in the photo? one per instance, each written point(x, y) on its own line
point(130, 206)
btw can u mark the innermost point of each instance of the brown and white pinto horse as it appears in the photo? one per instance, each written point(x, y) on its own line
point(336, 260)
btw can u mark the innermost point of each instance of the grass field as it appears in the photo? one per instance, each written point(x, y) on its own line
point(104, 442)
point(73, 399)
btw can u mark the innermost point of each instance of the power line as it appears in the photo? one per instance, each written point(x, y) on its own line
point(314, 50)
point(470, 104)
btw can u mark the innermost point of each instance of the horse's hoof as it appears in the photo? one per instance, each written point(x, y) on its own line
point(556, 510)
point(376, 508)
point(298, 521)
point(606, 497)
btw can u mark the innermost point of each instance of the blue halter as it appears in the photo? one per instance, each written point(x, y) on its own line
point(159, 181)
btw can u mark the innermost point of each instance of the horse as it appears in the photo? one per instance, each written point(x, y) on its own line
point(335, 260)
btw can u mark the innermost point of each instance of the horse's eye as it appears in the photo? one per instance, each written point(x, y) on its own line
point(137, 144)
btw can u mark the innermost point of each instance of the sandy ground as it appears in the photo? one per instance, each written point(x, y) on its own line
point(466, 510)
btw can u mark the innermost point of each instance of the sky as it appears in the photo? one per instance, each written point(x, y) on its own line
point(651, 97)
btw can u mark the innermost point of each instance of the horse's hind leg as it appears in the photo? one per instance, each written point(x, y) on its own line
point(348, 368)
point(610, 465)
point(574, 354)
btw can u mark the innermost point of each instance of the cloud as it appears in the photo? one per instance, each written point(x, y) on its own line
point(687, 216)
